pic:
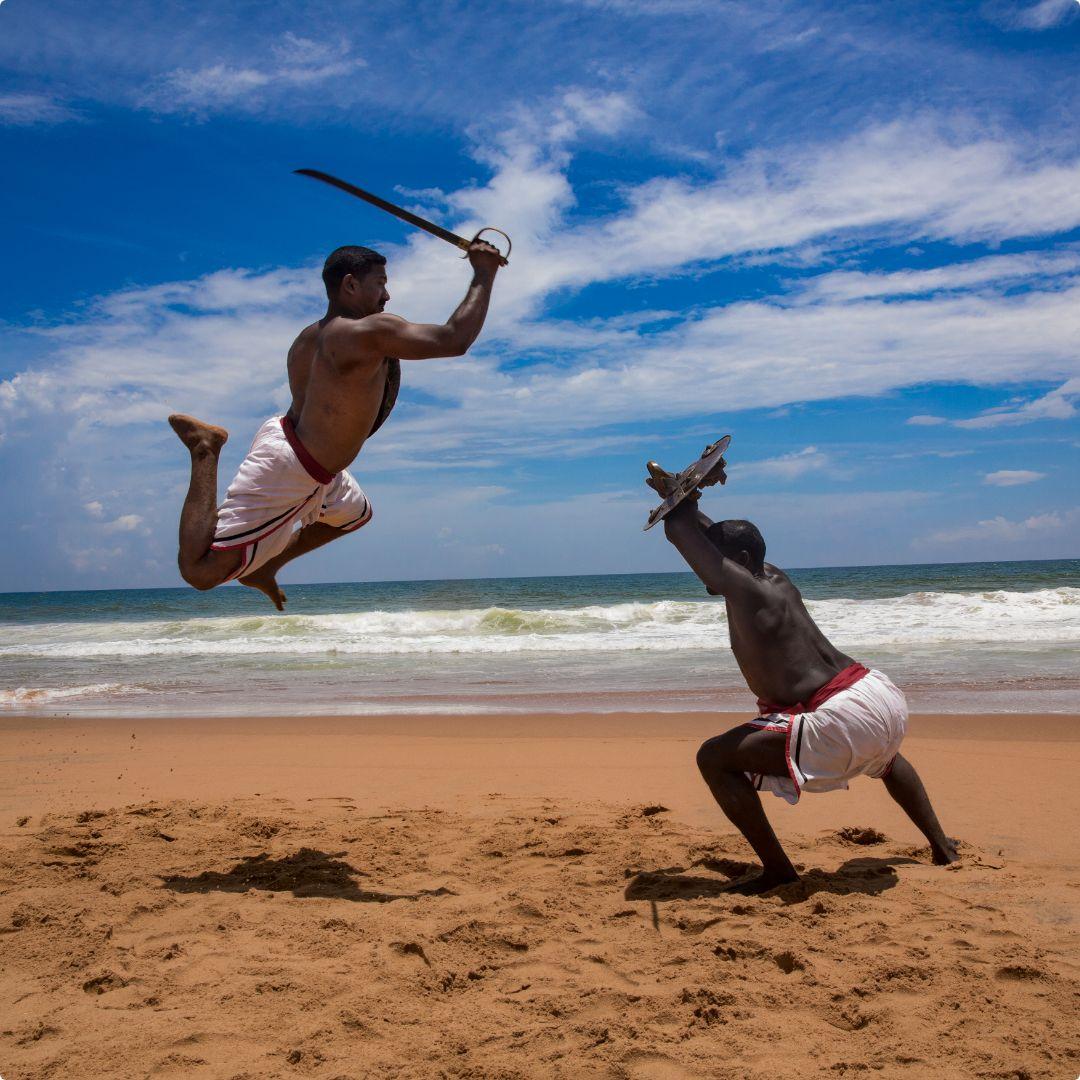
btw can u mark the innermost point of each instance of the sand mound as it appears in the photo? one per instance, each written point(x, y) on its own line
point(264, 939)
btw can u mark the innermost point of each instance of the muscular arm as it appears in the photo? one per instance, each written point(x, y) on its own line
point(389, 335)
point(685, 528)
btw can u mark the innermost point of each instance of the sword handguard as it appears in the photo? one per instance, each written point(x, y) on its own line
point(504, 260)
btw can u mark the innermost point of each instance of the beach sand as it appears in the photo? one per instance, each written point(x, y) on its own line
point(523, 896)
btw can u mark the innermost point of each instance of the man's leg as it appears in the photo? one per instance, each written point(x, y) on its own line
point(300, 543)
point(903, 784)
point(724, 762)
point(199, 566)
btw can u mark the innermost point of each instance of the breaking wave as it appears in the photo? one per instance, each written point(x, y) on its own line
point(1047, 616)
point(26, 695)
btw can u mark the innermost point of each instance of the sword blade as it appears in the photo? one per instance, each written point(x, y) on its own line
point(389, 207)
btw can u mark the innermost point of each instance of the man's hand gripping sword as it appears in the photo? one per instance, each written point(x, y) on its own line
point(407, 215)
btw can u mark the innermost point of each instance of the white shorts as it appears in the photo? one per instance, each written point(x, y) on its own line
point(279, 485)
point(856, 732)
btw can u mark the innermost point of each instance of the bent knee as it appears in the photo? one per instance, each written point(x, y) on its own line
point(713, 755)
point(200, 581)
point(202, 578)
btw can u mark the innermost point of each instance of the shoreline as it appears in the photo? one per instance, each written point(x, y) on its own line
point(1059, 698)
point(1056, 724)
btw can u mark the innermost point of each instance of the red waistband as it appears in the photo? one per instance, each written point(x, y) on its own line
point(840, 681)
point(314, 469)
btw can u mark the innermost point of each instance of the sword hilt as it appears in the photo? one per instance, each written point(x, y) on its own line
point(504, 260)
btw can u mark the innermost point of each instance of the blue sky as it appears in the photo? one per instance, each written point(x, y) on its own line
point(847, 234)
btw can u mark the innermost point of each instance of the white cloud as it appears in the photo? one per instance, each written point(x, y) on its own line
point(537, 385)
point(545, 131)
point(1003, 529)
point(294, 62)
point(917, 180)
point(124, 523)
point(785, 467)
point(94, 509)
point(994, 270)
point(1040, 16)
point(925, 420)
point(213, 345)
point(28, 110)
point(1012, 477)
point(943, 454)
point(94, 560)
point(1059, 404)
point(756, 355)
point(146, 351)
point(752, 354)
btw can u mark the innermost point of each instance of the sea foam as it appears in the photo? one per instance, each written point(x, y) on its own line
point(1047, 616)
point(28, 695)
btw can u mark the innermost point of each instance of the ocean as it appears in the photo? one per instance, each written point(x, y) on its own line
point(958, 637)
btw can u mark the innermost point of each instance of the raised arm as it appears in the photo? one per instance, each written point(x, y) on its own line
point(685, 528)
point(389, 335)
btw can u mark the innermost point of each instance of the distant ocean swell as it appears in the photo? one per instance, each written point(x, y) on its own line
point(1046, 617)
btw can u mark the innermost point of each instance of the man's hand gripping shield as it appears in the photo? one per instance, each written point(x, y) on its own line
point(675, 488)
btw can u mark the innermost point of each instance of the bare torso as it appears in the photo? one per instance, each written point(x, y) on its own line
point(335, 404)
point(780, 650)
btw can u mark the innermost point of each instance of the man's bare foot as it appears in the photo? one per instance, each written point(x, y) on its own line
point(265, 583)
point(765, 881)
point(944, 856)
point(196, 435)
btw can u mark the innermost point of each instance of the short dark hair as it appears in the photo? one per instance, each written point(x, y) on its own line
point(348, 260)
point(732, 537)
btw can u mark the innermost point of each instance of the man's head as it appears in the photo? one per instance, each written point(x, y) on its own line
point(740, 542)
point(355, 280)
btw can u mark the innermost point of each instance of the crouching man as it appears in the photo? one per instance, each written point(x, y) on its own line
point(824, 718)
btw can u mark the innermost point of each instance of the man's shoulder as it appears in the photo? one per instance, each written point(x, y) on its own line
point(773, 588)
point(350, 337)
point(307, 337)
point(778, 585)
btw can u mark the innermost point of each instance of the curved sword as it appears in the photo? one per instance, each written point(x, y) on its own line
point(405, 215)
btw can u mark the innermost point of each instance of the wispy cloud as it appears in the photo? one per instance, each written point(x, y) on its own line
point(1003, 529)
point(1043, 15)
point(215, 345)
point(124, 523)
point(1012, 477)
point(919, 181)
point(29, 110)
point(785, 467)
point(1059, 404)
point(944, 455)
point(999, 270)
point(132, 359)
point(294, 62)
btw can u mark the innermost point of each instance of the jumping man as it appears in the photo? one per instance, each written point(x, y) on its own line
point(824, 718)
point(344, 380)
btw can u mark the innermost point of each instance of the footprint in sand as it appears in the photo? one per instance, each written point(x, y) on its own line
point(643, 1065)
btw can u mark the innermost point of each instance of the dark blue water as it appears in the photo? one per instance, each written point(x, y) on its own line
point(819, 583)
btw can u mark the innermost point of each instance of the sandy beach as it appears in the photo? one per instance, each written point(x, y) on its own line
point(526, 896)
